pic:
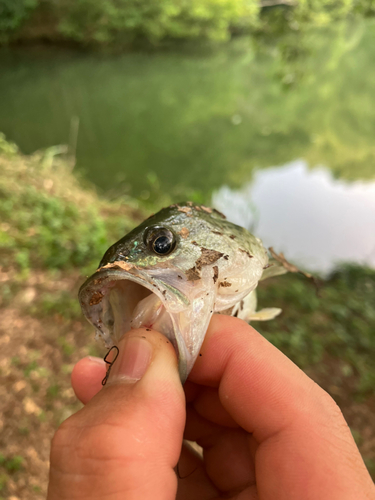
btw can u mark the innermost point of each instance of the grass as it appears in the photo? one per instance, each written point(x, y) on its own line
point(12, 464)
point(47, 220)
point(338, 323)
point(59, 302)
point(3, 482)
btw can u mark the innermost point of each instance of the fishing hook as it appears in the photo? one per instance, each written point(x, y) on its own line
point(109, 363)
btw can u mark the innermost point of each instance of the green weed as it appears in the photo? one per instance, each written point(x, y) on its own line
point(95, 350)
point(53, 391)
point(123, 22)
point(370, 464)
point(339, 322)
point(357, 436)
point(12, 464)
point(48, 220)
point(15, 360)
point(33, 365)
point(67, 348)
point(3, 481)
point(42, 417)
point(62, 303)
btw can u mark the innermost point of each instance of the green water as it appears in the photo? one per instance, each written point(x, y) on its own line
point(192, 120)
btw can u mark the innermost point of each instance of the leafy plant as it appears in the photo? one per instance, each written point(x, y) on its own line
point(48, 220)
point(13, 13)
point(3, 481)
point(110, 21)
point(117, 21)
point(339, 323)
point(12, 464)
point(7, 148)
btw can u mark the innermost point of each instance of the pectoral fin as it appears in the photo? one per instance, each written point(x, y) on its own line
point(265, 314)
point(274, 269)
point(246, 310)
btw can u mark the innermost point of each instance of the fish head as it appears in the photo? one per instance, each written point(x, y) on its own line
point(171, 273)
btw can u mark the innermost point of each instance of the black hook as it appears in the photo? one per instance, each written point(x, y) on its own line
point(109, 363)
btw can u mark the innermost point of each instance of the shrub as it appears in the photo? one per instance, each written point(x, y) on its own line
point(47, 218)
point(13, 13)
point(118, 20)
point(322, 12)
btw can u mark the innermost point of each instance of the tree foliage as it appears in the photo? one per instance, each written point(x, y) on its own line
point(123, 21)
point(114, 20)
point(13, 13)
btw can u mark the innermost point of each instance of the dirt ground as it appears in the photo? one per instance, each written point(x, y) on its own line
point(38, 349)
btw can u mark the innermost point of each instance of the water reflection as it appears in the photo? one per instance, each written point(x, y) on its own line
point(316, 220)
point(197, 119)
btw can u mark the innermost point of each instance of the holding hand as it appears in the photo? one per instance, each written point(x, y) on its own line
point(267, 430)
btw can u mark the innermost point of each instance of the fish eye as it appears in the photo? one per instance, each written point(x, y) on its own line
point(160, 240)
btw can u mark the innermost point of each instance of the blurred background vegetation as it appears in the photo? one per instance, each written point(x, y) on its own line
point(128, 21)
point(159, 101)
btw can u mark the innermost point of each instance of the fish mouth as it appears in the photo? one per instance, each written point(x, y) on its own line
point(116, 300)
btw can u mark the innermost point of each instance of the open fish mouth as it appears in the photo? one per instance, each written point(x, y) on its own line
point(170, 274)
point(120, 297)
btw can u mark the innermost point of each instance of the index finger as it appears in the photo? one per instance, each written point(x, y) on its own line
point(305, 447)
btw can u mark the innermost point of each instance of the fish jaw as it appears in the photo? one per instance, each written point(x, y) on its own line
point(212, 266)
point(116, 299)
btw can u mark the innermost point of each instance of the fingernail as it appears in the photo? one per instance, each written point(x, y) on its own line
point(133, 360)
point(94, 359)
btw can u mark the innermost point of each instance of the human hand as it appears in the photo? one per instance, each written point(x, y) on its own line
point(267, 430)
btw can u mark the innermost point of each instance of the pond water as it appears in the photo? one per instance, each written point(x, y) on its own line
point(319, 222)
point(189, 122)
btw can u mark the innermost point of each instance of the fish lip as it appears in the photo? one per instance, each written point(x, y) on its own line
point(90, 295)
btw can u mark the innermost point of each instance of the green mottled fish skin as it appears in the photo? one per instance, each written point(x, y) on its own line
point(205, 227)
point(213, 267)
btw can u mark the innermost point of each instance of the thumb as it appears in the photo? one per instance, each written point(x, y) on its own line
point(126, 441)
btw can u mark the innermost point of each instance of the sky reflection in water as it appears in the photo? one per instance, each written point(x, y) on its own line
point(315, 219)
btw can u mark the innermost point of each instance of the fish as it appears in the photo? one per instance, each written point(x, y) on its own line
point(172, 273)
